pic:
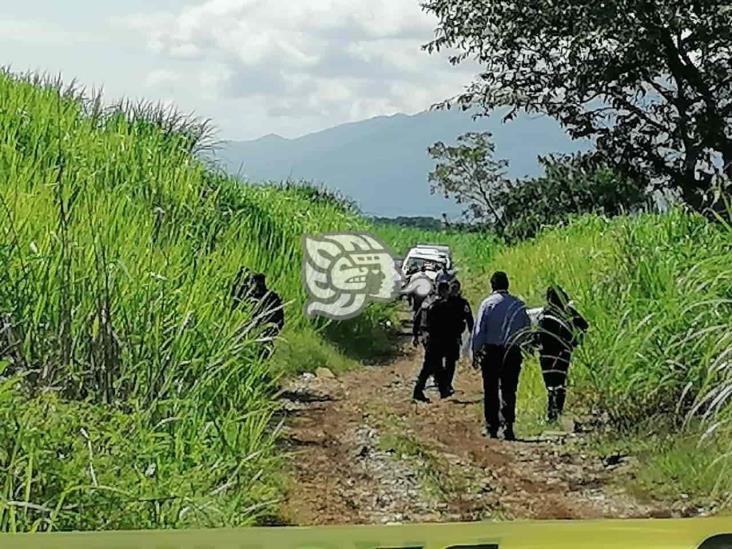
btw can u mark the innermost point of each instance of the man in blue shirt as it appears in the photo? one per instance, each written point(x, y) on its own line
point(501, 324)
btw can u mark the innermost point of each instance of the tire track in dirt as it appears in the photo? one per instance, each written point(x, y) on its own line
point(363, 453)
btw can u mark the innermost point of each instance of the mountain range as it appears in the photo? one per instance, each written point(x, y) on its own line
point(382, 163)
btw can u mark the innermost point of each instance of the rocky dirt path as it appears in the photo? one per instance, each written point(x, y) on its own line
point(363, 453)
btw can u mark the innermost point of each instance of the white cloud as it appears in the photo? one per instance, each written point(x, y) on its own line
point(332, 60)
point(162, 77)
point(36, 32)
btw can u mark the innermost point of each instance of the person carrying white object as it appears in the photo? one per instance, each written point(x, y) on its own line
point(466, 347)
point(419, 287)
point(466, 351)
point(561, 329)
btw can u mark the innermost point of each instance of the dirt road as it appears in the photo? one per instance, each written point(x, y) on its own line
point(363, 453)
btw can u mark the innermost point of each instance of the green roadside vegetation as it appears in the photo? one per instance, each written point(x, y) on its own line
point(132, 396)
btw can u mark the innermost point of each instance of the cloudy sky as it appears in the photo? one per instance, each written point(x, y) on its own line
point(252, 66)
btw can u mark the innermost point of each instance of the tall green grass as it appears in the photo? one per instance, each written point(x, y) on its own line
point(134, 396)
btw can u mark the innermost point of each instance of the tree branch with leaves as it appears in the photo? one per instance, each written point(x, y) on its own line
point(468, 174)
point(648, 80)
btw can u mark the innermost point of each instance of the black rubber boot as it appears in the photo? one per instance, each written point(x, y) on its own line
point(420, 385)
point(561, 397)
point(552, 406)
point(508, 433)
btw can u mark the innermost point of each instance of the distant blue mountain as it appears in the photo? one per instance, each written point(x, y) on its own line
point(382, 163)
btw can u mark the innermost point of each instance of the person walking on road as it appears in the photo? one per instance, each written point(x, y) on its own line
point(501, 324)
point(560, 330)
point(432, 326)
point(461, 317)
point(443, 274)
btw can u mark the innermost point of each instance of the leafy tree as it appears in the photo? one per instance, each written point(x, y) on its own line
point(571, 185)
point(649, 80)
point(467, 173)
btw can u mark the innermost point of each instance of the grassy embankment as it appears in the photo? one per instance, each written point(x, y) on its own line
point(657, 290)
point(132, 395)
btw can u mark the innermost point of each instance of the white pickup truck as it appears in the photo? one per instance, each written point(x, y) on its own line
point(434, 258)
point(426, 254)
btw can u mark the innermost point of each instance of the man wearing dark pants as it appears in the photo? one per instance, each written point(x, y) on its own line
point(561, 329)
point(461, 317)
point(501, 323)
point(432, 324)
point(501, 368)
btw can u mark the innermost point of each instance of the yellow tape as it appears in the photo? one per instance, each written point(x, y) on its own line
point(611, 534)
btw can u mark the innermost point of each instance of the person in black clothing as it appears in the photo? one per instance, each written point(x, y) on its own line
point(266, 305)
point(242, 288)
point(432, 324)
point(461, 316)
point(560, 330)
point(268, 311)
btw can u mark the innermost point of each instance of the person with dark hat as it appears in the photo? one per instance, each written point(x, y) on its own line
point(242, 287)
point(268, 313)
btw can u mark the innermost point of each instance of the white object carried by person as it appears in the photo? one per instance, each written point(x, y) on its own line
point(534, 315)
point(466, 347)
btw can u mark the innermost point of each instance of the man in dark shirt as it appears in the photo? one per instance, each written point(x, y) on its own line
point(268, 311)
point(432, 325)
point(461, 317)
